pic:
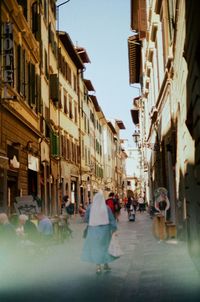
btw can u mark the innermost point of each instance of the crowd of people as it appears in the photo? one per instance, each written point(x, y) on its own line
point(101, 216)
point(20, 230)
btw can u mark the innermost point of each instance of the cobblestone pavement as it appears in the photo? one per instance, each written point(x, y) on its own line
point(149, 270)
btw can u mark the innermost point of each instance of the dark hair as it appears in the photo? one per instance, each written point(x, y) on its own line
point(111, 194)
point(65, 198)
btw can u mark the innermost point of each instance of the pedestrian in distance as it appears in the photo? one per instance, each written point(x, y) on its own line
point(117, 207)
point(110, 202)
point(101, 226)
point(81, 210)
point(69, 206)
point(135, 204)
point(128, 204)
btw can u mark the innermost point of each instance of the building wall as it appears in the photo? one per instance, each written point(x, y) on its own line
point(32, 118)
point(192, 166)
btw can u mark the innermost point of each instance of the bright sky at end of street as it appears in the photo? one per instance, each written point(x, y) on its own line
point(102, 27)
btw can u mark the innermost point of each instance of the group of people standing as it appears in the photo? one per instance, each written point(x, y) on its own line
point(19, 230)
point(101, 217)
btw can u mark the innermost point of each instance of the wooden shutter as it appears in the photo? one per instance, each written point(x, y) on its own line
point(54, 87)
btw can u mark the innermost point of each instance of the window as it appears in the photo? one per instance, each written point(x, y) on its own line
point(86, 159)
point(34, 18)
point(70, 108)
point(75, 114)
point(83, 150)
point(45, 9)
point(88, 126)
point(46, 64)
point(85, 125)
point(78, 153)
point(65, 103)
point(69, 76)
point(54, 138)
point(54, 87)
point(68, 149)
point(23, 4)
point(75, 83)
point(32, 85)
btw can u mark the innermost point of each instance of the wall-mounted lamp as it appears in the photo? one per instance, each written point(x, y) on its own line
point(136, 136)
point(152, 146)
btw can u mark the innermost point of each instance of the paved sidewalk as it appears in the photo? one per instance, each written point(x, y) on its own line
point(148, 271)
point(158, 271)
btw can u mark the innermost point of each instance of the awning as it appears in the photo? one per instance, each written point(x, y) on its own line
point(112, 128)
point(136, 102)
point(135, 116)
point(88, 85)
point(95, 102)
point(67, 43)
point(139, 17)
point(134, 54)
point(83, 54)
point(120, 124)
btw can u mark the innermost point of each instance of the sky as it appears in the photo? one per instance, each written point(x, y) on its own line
point(102, 27)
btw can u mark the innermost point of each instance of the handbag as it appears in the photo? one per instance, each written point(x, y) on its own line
point(85, 231)
point(114, 248)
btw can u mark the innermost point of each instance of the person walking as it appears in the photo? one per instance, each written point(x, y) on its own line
point(128, 205)
point(110, 202)
point(117, 207)
point(69, 206)
point(135, 204)
point(101, 225)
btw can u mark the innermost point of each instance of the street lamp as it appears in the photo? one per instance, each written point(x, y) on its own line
point(136, 136)
point(57, 10)
point(152, 146)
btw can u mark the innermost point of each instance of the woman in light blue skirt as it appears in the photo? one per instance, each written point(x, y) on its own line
point(101, 225)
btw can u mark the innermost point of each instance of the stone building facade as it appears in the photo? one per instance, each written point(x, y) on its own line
point(168, 51)
point(51, 125)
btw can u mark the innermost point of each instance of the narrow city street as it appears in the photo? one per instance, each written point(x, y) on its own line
point(149, 270)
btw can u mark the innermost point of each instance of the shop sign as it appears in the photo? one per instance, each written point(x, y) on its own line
point(8, 53)
point(33, 163)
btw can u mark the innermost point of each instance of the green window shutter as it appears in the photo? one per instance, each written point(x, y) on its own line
point(55, 144)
